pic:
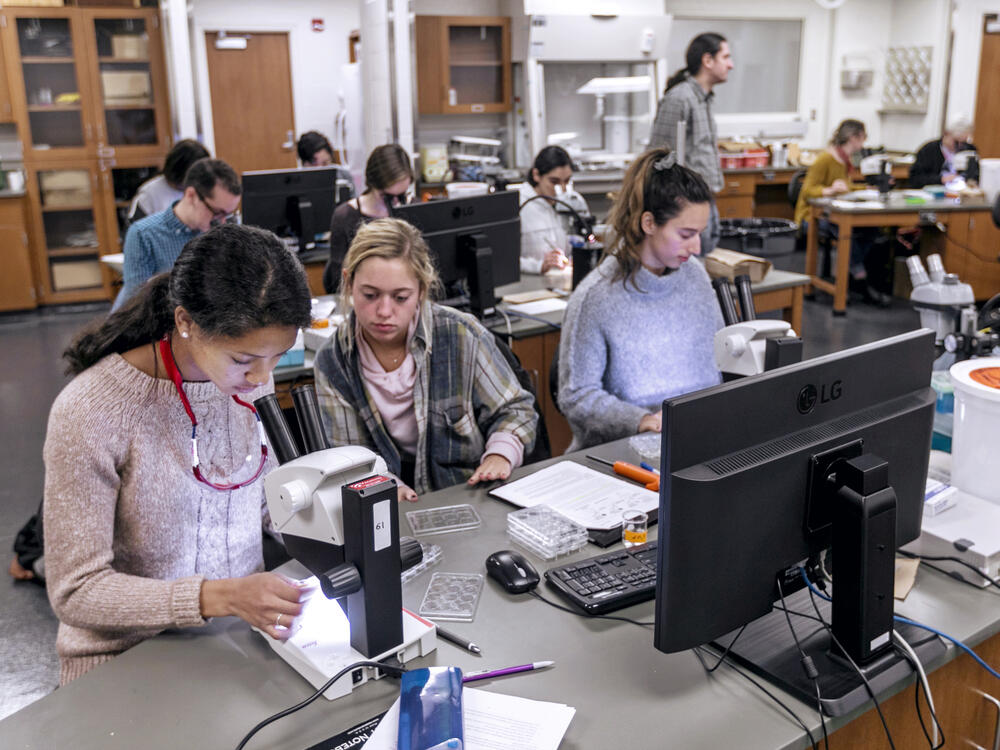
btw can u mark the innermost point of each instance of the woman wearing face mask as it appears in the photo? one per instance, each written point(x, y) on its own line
point(833, 174)
point(388, 177)
point(544, 245)
point(137, 540)
point(641, 327)
point(419, 383)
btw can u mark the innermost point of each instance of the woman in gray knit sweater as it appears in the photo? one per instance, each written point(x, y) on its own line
point(640, 327)
point(137, 540)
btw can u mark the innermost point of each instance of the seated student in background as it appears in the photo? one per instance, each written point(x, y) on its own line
point(419, 383)
point(831, 175)
point(211, 194)
point(159, 193)
point(935, 161)
point(137, 542)
point(388, 177)
point(641, 326)
point(314, 150)
point(544, 245)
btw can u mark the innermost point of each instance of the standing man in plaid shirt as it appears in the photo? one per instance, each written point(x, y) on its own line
point(689, 97)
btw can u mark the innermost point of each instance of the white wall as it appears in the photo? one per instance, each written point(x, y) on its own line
point(316, 57)
point(859, 29)
point(967, 26)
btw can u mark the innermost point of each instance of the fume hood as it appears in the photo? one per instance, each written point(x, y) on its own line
point(591, 84)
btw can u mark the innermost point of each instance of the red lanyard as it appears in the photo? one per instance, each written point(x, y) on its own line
point(166, 353)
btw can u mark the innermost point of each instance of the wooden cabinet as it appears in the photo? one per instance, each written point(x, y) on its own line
point(6, 109)
point(972, 250)
point(463, 64)
point(86, 83)
point(735, 200)
point(88, 91)
point(17, 286)
point(536, 354)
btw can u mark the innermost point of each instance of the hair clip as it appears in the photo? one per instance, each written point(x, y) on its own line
point(665, 162)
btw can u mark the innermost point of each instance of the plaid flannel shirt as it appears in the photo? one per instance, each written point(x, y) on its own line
point(464, 392)
point(688, 101)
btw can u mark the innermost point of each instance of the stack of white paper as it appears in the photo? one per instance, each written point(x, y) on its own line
point(493, 722)
point(591, 498)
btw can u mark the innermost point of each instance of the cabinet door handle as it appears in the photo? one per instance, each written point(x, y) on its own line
point(996, 728)
point(289, 140)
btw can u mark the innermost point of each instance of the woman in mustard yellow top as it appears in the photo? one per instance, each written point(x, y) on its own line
point(830, 175)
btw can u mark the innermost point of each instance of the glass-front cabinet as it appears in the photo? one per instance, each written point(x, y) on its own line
point(46, 78)
point(89, 96)
point(88, 82)
point(67, 233)
point(129, 84)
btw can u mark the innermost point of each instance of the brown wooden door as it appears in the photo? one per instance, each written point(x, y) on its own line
point(252, 102)
point(987, 102)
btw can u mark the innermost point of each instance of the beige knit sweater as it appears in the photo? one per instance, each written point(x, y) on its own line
point(129, 532)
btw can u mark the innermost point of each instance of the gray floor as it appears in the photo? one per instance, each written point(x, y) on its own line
point(30, 378)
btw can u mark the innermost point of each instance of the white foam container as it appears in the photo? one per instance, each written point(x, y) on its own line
point(989, 178)
point(975, 443)
point(466, 189)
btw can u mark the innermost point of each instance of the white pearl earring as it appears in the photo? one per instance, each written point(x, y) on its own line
point(184, 334)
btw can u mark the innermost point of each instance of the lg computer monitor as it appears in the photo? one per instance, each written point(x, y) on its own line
point(476, 239)
point(766, 474)
point(295, 202)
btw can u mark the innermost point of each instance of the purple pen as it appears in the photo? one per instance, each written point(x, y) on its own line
point(487, 673)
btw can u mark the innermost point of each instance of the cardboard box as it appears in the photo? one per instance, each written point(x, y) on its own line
point(75, 274)
point(130, 46)
point(126, 87)
point(730, 264)
point(67, 187)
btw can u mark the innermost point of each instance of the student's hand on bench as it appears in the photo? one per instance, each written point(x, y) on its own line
point(493, 467)
point(651, 422)
point(405, 493)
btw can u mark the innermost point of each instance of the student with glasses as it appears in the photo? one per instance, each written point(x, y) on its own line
point(211, 194)
point(388, 177)
point(142, 533)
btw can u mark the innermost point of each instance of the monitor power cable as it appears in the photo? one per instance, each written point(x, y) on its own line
point(700, 652)
point(813, 593)
point(391, 669)
point(808, 666)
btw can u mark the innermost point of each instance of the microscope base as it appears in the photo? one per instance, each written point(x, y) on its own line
point(321, 643)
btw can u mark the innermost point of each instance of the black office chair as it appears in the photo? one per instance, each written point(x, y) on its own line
point(825, 244)
point(543, 447)
point(554, 380)
point(996, 210)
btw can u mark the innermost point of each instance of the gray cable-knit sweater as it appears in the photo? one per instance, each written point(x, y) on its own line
point(129, 532)
point(625, 349)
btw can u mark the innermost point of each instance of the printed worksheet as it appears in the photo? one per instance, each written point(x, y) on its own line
point(591, 498)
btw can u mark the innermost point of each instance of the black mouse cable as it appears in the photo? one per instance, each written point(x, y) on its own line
point(587, 615)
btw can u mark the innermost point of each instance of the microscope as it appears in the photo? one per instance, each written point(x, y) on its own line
point(748, 346)
point(336, 510)
point(948, 307)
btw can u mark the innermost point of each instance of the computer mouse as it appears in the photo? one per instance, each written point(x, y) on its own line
point(512, 570)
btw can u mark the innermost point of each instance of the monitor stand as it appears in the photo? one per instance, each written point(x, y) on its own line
point(476, 257)
point(766, 648)
point(862, 507)
point(300, 216)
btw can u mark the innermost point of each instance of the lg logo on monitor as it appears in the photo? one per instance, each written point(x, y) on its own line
point(810, 395)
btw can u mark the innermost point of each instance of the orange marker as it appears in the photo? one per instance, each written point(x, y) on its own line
point(631, 471)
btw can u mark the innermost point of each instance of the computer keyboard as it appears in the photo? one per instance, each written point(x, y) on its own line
point(609, 581)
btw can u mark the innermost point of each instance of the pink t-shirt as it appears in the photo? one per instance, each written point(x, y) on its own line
point(392, 393)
